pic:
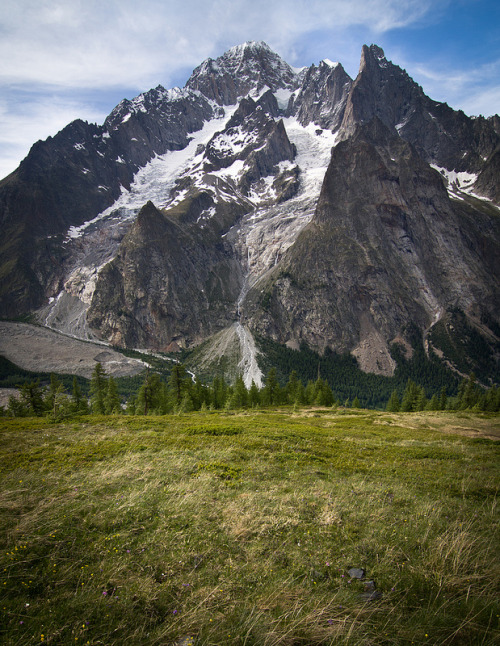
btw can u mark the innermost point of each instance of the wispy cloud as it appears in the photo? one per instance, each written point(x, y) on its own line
point(475, 91)
point(90, 43)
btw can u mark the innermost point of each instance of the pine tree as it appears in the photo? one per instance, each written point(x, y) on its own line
point(239, 396)
point(300, 396)
point(219, 390)
point(470, 394)
point(433, 403)
point(443, 399)
point(55, 400)
point(112, 404)
point(271, 390)
point(79, 402)
point(421, 401)
point(393, 405)
point(410, 397)
point(177, 384)
point(309, 393)
point(152, 396)
point(98, 389)
point(32, 397)
point(253, 395)
point(291, 388)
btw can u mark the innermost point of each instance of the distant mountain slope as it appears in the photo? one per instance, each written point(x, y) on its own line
point(307, 207)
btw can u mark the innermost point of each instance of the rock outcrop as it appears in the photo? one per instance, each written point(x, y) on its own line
point(386, 248)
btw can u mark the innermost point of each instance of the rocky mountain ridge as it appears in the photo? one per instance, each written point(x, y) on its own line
point(299, 205)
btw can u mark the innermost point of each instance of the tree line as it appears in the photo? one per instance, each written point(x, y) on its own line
point(181, 393)
point(470, 396)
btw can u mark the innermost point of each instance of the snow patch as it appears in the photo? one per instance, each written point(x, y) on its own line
point(313, 153)
point(458, 182)
point(232, 142)
point(206, 215)
point(79, 146)
point(283, 97)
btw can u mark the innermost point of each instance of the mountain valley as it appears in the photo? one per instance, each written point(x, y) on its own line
point(263, 202)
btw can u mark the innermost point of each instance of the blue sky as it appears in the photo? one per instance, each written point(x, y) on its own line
point(68, 59)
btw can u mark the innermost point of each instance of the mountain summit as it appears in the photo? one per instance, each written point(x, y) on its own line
point(242, 70)
point(351, 215)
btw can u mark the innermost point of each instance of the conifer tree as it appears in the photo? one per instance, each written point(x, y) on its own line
point(291, 388)
point(79, 402)
point(470, 394)
point(309, 394)
point(98, 389)
point(433, 403)
point(239, 396)
point(393, 405)
point(443, 399)
point(32, 397)
point(271, 390)
point(253, 395)
point(112, 404)
point(410, 396)
point(177, 384)
point(219, 389)
point(152, 396)
point(421, 400)
point(55, 398)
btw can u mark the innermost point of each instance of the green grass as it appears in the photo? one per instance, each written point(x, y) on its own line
point(231, 528)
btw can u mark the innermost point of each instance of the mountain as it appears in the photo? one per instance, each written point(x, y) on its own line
point(259, 201)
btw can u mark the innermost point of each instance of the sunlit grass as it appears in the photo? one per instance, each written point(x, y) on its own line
point(241, 528)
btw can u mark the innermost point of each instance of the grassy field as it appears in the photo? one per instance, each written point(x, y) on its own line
point(222, 528)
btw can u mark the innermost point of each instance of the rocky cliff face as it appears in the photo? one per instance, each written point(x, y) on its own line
point(440, 135)
point(322, 96)
point(168, 286)
point(386, 248)
point(300, 206)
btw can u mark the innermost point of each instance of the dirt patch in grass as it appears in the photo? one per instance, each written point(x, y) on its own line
point(466, 424)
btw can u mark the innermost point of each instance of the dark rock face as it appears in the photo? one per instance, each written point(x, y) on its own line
point(167, 284)
point(440, 134)
point(386, 247)
point(487, 181)
point(322, 97)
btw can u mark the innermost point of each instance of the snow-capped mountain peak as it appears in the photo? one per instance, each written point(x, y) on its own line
point(241, 70)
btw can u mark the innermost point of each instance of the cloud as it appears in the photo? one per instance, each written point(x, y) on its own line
point(475, 91)
point(90, 43)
